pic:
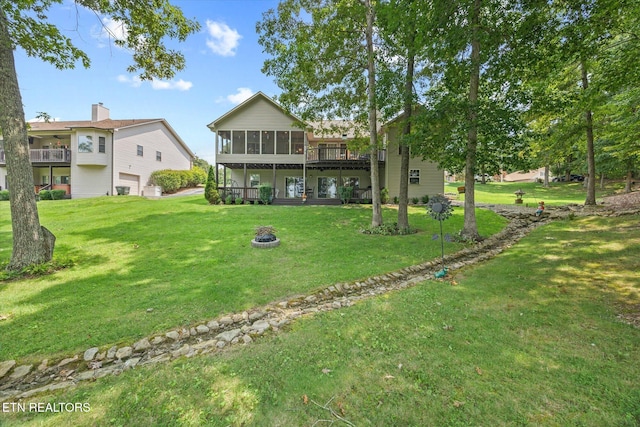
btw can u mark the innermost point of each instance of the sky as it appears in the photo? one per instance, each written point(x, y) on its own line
point(223, 63)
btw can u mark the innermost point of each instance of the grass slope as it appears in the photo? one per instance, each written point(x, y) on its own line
point(189, 262)
point(529, 338)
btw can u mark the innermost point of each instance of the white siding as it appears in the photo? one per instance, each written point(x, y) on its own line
point(258, 115)
point(152, 137)
point(90, 181)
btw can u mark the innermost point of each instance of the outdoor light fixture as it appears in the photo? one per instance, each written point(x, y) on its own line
point(519, 195)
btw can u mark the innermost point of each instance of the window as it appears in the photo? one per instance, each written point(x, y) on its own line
point(102, 144)
point(253, 142)
point(297, 141)
point(282, 142)
point(85, 144)
point(294, 186)
point(414, 176)
point(254, 180)
point(268, 142)
point(140, 150)
point(239, 139)
point(158, 156)
point(224, 142)
point(60, 179)
point(351, 181)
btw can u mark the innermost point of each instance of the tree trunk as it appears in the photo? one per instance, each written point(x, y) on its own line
point(376, 217)
point(546, 176)
point(591, 163)
point(470, 229)
point(32, 244)
point(403, 205)
point(628, 182)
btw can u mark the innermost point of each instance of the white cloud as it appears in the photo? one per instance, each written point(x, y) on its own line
point(111, 29)
point(131, 81)
point(180, 85)
point(243, 94)
point(224, 40)
point(135, 81)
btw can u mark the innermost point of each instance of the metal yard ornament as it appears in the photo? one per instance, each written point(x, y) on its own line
point(439, 207)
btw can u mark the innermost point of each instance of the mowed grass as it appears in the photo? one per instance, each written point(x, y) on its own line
point(556, 194)
point(531, 337)
point(188, 262)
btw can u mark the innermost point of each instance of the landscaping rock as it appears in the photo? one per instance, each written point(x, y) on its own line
point(124, 352)
point(6, 367)
point(20, 372)
point(228, 336)
point(143, 344)
point(174, 335)
point(90, 354)
point(202, 329)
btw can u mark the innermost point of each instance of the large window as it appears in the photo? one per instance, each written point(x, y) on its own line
point(282, 141)
point(294, 186)
point(268, 142)
point(297, 141)
point(224, 142)
point(253, 142)
point(85, 144)
point(414, 176)
point(238, 142)
point(254, 180)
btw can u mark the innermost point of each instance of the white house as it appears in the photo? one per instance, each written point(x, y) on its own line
point(258, 142)
point(90, 158)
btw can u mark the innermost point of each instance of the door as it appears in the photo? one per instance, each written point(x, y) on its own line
point(131, 181)
point(327, 187)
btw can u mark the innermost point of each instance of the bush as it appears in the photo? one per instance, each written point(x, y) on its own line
point(415, 200)
point(4, 194)
point(45, 195)
point(396, 200)
point(345, 194)
point(173, 180)
point(228, 200)
point(266, 193)
point(425, 199)
point(196, 176)
point(58, 194)
point(239, 200)
point(384, 196)
point(210, 189)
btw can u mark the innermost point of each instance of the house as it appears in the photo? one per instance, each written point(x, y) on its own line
point(258, 142)
point(90, 158)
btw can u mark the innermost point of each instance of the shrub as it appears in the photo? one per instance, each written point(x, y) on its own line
point(45, 195)
point(196, 176)
point(210, 189)
point(415, 200)
point(58, 194)
point(4, 194)
point(239, 200)
point(345, 194)
point(388, 230)
point(228, 200)
point(384, 196)
point(169, 180)
point(425, 199)
point(266, 192)
point(396, 200)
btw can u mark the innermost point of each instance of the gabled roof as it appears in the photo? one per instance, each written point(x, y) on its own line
point(251, 100)
point(106, 124)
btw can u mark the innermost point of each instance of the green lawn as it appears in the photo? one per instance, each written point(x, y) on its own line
point(189, 262)
point(557, 194)
point(532, 338)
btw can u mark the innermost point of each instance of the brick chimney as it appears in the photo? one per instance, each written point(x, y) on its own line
point(99, 112)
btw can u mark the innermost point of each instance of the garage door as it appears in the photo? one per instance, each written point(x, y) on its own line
point(131, 181)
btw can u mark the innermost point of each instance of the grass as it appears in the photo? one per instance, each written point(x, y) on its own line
point(531, 337)
point(557, 194)
point(189, 262)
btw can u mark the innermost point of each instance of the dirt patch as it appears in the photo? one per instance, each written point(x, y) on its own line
point(626, 200)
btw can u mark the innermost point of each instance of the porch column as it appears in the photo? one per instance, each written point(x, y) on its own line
point(274, 180)
point(215, 178)
point(244, 183)
point(50, 177)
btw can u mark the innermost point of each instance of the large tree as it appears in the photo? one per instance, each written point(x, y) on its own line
point(24, 24)
point(322, 56)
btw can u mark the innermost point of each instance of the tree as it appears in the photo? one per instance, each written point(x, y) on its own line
point(301, 35)
point(211, 188)
point(24, 24)
point(473, 109)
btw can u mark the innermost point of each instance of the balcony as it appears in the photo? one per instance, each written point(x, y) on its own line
point(44, 155)
point(336, 154)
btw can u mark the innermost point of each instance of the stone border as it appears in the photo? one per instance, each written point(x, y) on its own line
point(23, 381)
point(265, 245)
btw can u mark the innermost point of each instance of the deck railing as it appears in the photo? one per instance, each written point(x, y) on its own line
point(321, 154)
point(44, 155)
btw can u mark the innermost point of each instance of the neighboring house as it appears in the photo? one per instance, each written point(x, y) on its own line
point(92, 157)
point(258, 142)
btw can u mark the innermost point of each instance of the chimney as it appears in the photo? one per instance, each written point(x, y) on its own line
point(99, 112)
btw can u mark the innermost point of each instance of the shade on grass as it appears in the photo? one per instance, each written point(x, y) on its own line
point(146, 266)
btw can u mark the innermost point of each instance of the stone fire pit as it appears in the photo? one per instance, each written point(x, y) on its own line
point(265, 237)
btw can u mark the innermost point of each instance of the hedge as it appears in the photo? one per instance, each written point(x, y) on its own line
point(173, 180)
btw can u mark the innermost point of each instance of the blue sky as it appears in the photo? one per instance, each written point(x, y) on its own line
point(223, 63)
